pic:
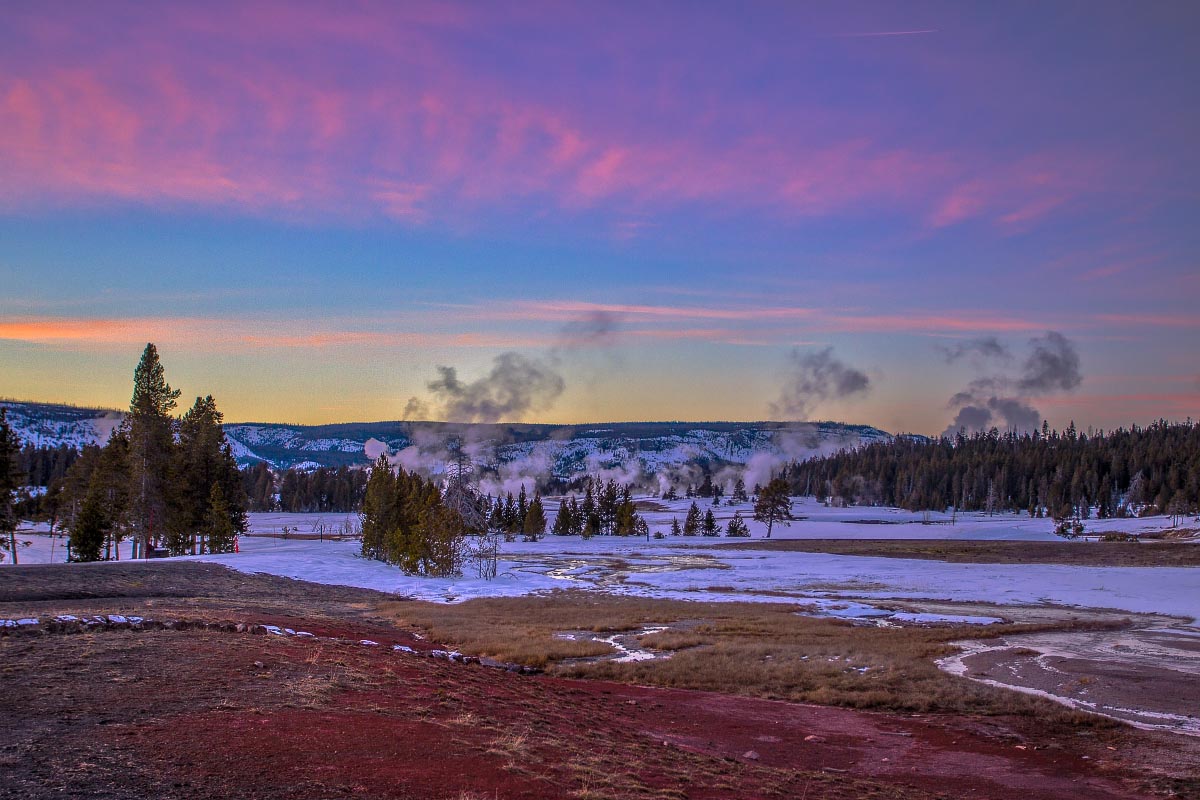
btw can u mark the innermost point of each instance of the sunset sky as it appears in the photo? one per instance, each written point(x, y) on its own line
point(695, 211)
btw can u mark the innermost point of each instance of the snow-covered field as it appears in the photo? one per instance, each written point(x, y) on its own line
point(820, 522)
point(699, 568)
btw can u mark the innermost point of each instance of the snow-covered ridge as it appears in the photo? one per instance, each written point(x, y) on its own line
point(623, 449)
point(50, 425)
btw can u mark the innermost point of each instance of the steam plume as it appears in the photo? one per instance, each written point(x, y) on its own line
point(1003, 400)
point(515, 386)
point(814, 378)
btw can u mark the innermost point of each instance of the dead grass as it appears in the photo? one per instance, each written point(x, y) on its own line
point(673, 640)
point(757, 649)
point(522, 629)
point(1081, 553)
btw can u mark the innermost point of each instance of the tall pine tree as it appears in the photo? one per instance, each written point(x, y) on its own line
point(150, 430)
point(10, 446)
point(773, 504)
point(377, 510)
point(535, 518)
point(202, 459)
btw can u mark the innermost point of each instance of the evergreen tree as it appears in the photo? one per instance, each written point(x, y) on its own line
point(535, 518)
point(709, 526)
point(202, 458)
point(590, 522)
point(404, 542)
point(110, 480)
point(259, 483)
point(512, 518)
point(737, 526)
point(10, 447)
point(377, 515)
point(522, 509)
point(90, 527)
point(739, 492)
point(675, 529)
point(220, 530)
point(437, 549)
point(774, 504)
point(496, 517)
point(564, 524)
point(607, 507)
point(627, 520)
point(691, 524)
point(150, 430)
point(73, 488)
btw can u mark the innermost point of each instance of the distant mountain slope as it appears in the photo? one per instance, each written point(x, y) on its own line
point(51, 425)
point(670, 450)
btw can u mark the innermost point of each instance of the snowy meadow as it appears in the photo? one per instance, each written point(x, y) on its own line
point(703, 568)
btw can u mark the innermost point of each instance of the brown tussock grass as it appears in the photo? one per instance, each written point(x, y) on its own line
point(757, 649)
point(1080, 553)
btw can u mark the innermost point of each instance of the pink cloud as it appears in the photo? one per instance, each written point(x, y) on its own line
point(417, 132)
point(1146, 405)
point(795, 317)
point(962, 203)
point(570, 309)
point(203, 334)
point(1152, 320)
point(411, 140)
point(928, 323)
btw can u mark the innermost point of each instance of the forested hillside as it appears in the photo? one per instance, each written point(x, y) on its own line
point(1061, 474)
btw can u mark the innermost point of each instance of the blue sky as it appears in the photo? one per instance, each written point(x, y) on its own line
point(310, 211)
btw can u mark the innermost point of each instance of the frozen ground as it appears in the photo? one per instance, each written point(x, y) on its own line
point(689, 569)
point(698, 568)
point(819, 522)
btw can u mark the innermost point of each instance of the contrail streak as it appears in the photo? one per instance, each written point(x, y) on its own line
point(885, 33)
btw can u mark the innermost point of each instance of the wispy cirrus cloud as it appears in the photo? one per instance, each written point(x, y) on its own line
point(386, 115)
point(223, 333)
point(815, 319)
point(874, 34)
point(1151, 320)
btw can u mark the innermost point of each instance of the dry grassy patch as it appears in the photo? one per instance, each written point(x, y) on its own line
point(1079, 553)
point(674, 640)
point(758, 649)
point(523, 629)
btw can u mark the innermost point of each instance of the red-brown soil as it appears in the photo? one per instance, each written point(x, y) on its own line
point(210, 714)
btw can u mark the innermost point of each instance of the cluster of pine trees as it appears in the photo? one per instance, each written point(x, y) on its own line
point(405, 522)
point(520, 515)
point(42, 465)
point(10, 479)
point(695, 524)
point(607, 509)
point(163, 481)
point(771, 505)
point(325, 489)
point(1065, 474)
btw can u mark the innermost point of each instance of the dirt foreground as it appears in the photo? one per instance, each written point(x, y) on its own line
point(210, 711)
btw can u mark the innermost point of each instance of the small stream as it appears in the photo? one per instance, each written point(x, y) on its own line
point(603, 571)
point(1148, 678)
point(626, 647)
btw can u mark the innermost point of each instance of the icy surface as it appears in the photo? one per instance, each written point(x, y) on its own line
point(701, 569)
